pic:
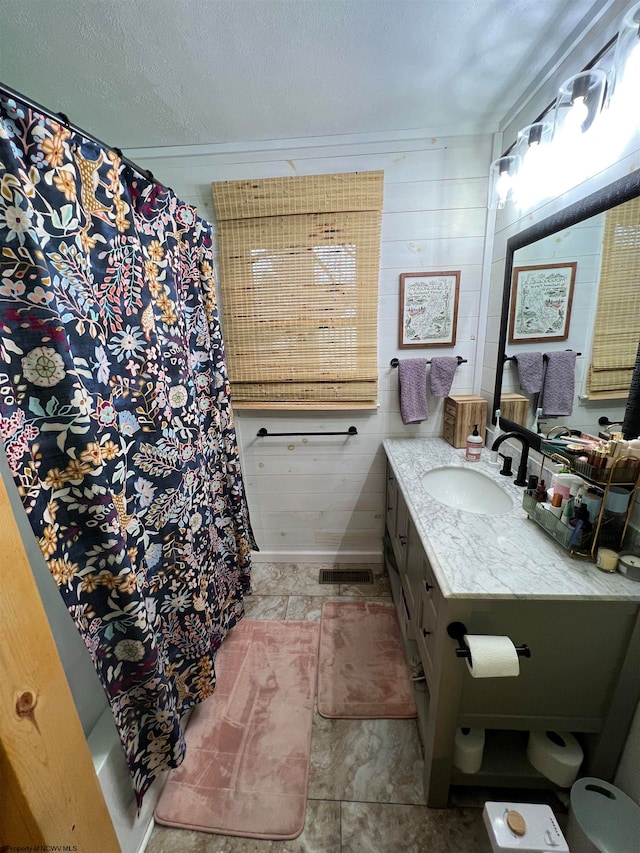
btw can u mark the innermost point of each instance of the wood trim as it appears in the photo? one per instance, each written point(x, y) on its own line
point(401, 315)
point(54, 797)
point(308, 405)
point(572, 265)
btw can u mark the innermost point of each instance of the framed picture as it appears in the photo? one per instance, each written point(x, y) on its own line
point(428, 308)
point(541, 298)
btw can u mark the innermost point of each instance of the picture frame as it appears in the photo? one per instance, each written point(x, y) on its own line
point(541, 299)
point(428, 309)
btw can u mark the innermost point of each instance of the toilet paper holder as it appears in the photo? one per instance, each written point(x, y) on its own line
point(457, 630)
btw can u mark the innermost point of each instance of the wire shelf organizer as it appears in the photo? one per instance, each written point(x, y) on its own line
point(608, 529)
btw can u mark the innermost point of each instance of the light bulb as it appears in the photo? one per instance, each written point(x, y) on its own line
point(503, 175)
point(503, 185)
point(578, 105)
point(576, 116)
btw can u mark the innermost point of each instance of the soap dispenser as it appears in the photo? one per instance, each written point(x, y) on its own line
point(474, 445)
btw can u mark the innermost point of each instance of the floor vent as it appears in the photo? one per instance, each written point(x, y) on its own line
point(357, 576)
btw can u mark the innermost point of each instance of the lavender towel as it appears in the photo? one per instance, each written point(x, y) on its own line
point(530, 371)
point(443, 369)
point(558, 383)
point(412, 381)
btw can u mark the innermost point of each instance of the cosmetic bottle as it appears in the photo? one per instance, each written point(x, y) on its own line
point(612, 450)
point(633, 447)
point(597, 457)
point(541, 492)
point(567, 511)
point(474, 445)
point(581, 516)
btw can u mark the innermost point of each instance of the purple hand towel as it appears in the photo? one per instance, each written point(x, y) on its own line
point(412, 382)
point(558, 384)
point(443, 369)
point(530, 371)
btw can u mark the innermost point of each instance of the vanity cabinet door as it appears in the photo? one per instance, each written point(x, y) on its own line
point(412, 574)
point(400, 533)
point(430, 596)
point(391, 505)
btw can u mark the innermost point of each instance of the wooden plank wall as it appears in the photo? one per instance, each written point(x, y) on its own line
point(321, 500)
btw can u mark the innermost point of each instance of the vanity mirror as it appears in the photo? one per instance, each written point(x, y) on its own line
point(572, 236)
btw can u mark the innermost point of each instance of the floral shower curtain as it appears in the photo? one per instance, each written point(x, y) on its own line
point(116, 421)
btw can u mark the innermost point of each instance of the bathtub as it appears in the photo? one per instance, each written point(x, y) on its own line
point(133, 830)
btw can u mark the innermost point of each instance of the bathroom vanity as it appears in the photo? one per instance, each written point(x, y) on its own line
point(500, 574)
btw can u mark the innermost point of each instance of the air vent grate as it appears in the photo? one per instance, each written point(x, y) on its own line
point(357, 576)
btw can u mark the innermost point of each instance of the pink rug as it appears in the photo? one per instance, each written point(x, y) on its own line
point(248, 746)
point(362, 671)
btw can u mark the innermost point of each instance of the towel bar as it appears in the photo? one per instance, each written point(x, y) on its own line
point(515, 357)
point(395, 362)
point(263, 432)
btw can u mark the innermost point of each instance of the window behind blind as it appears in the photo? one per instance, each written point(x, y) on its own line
point(617, 324)
point(299, 263)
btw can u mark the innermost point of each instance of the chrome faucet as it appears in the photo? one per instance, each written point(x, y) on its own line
point(521, 479)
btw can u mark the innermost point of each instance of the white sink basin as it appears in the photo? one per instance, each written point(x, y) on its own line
point(464, 488)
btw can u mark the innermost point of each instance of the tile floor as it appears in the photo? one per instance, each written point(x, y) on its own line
point(365, 783)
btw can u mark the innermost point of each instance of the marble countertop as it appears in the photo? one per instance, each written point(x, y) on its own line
point(500, 556)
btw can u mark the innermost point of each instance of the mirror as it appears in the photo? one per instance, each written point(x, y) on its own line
point(572, 234)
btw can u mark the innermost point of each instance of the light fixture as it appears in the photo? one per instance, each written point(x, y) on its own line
point(532, 149)
point(578, 104)
point(503, 175)
point(581, 134)
point(626, 57)
point(531, 137)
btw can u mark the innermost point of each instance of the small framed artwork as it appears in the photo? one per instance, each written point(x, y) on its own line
point(541, 298)
point(428, 308)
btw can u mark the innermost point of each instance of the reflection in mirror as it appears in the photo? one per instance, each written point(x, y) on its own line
point(571, 283)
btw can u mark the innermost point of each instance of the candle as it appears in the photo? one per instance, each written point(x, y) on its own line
point(629, 565)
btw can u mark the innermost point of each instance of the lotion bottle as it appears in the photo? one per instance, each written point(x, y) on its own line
point(474, 445)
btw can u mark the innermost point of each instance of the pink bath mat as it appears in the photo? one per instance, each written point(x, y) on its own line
point(248, 746)
point(362, 670)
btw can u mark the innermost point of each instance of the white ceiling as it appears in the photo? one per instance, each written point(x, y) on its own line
point(139, 73)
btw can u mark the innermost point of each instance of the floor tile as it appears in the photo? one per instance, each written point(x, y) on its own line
point(366, 761)
point(305, 607)
point(373, 766)
point(321, 834)
point(266, 606)
point(291, 579)
point(380, 588)
point(377, 828)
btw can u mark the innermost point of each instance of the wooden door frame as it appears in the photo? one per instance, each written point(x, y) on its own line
point(50, 792)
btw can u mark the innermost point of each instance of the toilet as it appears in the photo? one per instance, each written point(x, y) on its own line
point(602, 819)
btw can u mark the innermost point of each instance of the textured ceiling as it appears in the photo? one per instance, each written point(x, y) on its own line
point(139, 73)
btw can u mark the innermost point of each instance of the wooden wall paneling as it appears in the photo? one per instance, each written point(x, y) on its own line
point(434, 215)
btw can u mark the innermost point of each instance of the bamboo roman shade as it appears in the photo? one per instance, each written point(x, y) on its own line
point(299, 259)
point(617, 323)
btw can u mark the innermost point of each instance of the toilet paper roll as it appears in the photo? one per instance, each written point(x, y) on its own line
point(491, 656)
point(468, 749)
point(557, 755)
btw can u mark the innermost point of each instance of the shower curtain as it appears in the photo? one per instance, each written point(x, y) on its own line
point(117, 424)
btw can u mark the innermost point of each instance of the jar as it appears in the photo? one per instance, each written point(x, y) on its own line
point(597, 457)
